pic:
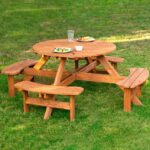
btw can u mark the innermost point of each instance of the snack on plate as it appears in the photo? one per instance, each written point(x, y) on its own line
point(86, 39)
point(62, 50)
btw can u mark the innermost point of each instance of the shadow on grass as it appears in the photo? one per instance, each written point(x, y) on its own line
point(3, 84)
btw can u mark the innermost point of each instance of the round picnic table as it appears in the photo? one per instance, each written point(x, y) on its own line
point(94, 54)
point(97, 49)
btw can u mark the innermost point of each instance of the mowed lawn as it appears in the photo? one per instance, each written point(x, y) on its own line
point(100, 121)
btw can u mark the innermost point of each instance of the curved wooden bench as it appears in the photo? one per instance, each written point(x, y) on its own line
point(16, 69)
point(113, 60)
point(132, 86)
point(28, 86)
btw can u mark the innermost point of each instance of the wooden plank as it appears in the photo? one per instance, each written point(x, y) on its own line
point(49, 110)
point(89, 67)
point(139, 90)
point(127, 100)
point(90, 60)
point(41, 62)
point(96, 48)
point(72, 108)
point(114, 59)
point(11, 88)
point(48, 113)
point(132, 70)
point(48, 103)
point(68, 80)
point(48, 89)
point(97, 77)
point(134, 98)
point(140, 79)
point(136, 101)
point(60, 71)
point(16, 68)
point(80, 68)
point(131, 78)
point(38, 66)
point(44, 73)
point(108, 67)
point(25, 97)
point(57, 80)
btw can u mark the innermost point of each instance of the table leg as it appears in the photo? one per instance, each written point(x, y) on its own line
point(58, 78)
point(60, 71)
point(108, 67)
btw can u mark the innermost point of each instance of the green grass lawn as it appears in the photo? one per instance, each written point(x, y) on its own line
point(100, 121)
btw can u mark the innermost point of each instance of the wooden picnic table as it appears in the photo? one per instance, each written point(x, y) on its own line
point(97, 49)
point(95, 54)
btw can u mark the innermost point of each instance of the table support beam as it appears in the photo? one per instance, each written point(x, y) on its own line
point(38, 66)
point(57, 81)
point(89, 67)
point(107, 65)
point(97, 77)
point(60, 71)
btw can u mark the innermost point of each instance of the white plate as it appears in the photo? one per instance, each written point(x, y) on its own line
point(88, 39)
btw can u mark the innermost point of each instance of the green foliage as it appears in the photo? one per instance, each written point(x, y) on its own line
point(100, 120)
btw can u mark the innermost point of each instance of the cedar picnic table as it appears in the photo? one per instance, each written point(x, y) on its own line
point(95, 54)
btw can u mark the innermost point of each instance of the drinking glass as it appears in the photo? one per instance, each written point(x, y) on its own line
point(70, 35)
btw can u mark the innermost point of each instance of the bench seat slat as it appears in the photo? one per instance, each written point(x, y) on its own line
point(110, 58)
point(48, 89)
point(137, 77)
point(16, 68)
point(115, 59)
point(140, 79)
point(130, 79)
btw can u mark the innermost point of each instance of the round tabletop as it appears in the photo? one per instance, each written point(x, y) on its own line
point(95, 48)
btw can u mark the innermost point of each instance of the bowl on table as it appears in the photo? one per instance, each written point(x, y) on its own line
point(78, 48)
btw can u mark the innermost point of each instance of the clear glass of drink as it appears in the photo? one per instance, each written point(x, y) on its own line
point(70, 35)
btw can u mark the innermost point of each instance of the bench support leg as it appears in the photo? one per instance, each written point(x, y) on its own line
point(26, 106)
point(139, 91)
point(47, 113)
point(11, 88)
point(72, 108)
point(135, 93)
point(136, 101)
point(49, 110)
point(127, 100)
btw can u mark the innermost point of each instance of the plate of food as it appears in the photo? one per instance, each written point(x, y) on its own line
point(62, 50)
point(86, 39)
